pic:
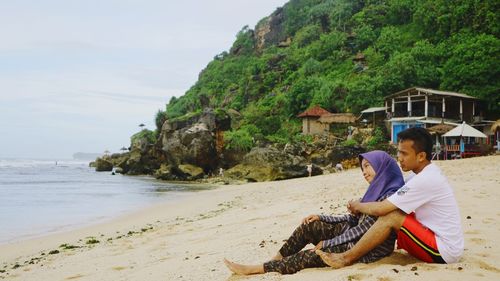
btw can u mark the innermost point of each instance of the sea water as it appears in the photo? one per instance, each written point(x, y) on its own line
point(39, 197)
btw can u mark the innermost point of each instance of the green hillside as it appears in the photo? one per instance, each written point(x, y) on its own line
point(346, 56)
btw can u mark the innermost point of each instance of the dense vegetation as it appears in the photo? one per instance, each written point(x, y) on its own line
point(440, 44)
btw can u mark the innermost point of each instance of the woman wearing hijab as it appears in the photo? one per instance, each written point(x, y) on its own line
point(335, 234)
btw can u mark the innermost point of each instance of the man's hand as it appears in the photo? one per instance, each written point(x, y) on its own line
point(353, 207)
point(318, 247)
point(310, 219)
point(371, 208)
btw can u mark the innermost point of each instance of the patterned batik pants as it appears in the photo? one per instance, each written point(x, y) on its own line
point(294, 259)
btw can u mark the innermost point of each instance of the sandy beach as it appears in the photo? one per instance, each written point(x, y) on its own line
point(188, 239)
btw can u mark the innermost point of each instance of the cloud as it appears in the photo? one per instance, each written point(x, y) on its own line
point(81, 75)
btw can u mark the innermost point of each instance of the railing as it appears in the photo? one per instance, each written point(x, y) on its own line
point(453, 147)
point(447, 115)
point(453, 151)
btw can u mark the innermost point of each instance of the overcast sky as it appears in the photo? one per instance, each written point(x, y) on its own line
point(81, 75)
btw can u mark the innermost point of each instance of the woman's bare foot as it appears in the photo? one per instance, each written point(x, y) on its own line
point(332, 259)
point(242, 269)
point(278, 257)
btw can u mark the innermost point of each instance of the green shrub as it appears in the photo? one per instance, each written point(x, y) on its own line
point(376, 140)
point(350, 142)
point(148, 135)
point(239, 139)
point(160, 118)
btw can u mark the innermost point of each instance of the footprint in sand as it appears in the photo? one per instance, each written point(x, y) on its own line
point(478, 240)
point(358, 276)
point(484, 255)
point(74, 277)
point(488, 220)
point(488, 267)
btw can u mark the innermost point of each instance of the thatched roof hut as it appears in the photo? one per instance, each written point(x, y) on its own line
point(440, 129)
point(337, 118)
point(495, 126)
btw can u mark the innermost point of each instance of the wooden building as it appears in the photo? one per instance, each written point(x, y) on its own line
point(420, 107)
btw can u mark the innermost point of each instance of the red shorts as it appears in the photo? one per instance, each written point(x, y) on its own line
point(418, 240)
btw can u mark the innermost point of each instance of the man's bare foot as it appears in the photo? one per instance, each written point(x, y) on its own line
point(242, 269)
point(278, 257)
point(332, 259)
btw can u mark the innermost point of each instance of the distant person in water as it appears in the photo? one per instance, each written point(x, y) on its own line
point(335, 234)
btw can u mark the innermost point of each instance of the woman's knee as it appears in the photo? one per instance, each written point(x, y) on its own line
point(309, 227)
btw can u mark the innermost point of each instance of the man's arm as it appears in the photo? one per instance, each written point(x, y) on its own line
point(372, 208)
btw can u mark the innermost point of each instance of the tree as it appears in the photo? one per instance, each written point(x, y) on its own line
point(160, 118)
point(365, 36)
point(389, 41)
point(307, 35)
point(245, 42)
point(472, 67)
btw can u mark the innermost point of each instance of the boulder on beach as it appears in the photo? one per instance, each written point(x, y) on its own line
point(103, 165)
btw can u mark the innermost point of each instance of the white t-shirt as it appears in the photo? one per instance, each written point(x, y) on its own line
point(430, 196)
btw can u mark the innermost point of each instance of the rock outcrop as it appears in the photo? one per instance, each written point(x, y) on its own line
point(270, 30)
point(103, 165)
point(268, 164)
point(192, 148)
point(192, 141)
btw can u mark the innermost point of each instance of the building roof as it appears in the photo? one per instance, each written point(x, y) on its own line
point(435, 121)
point(440, 128)
point(315, 111)
point(337, 118)
point(495, 125)
point(464, 130)
point(373, 109)
point(432, 92)
point(399, 119)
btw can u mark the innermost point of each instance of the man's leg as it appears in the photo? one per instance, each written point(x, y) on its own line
point(377, 234)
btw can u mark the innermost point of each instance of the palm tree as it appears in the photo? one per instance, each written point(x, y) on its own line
point(123, 149)
point(142, 125)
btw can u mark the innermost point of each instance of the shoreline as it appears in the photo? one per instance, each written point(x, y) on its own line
point(247, 224)
point(87, 223)
point(107, 226)
point(59, 198)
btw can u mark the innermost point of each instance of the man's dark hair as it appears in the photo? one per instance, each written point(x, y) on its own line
point(422, 140)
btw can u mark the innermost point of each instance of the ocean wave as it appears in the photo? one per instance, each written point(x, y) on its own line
point(31, 163)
